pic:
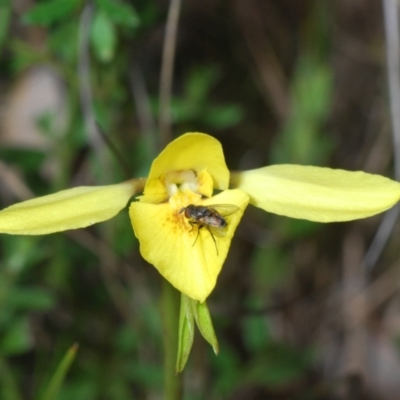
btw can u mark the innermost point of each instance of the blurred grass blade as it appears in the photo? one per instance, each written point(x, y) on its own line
point(52, 389)
point(8, 385)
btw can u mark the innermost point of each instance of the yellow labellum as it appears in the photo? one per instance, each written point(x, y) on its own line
point(169, 242)
point(317, 194)
point(69, 209)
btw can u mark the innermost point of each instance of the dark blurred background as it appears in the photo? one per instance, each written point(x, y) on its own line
point(296, 313)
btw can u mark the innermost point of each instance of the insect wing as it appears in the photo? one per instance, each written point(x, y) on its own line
point(217, 231)
point(224, 210)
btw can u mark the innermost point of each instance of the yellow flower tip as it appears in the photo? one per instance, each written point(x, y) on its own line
point(186, 256)
point(68, 209)
point(317, 194)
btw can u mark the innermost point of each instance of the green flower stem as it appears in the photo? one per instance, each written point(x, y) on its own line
point(8, 386)
point(170, 306)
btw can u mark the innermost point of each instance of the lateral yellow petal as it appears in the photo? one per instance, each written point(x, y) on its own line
point(169, 242)
point(317, 194)
point(68, 209)
point(193, 151)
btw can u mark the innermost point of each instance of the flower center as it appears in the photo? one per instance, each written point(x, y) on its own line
point(196, 182)
point(185, 180)
point(159, 190)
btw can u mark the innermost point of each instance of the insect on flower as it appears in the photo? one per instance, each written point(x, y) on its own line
point(211, 217)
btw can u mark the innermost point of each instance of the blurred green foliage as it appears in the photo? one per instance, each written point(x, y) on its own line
point(59, 290)
point(194, 107)
point(302, 140)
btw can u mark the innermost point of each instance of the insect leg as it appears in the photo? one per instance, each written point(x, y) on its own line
point(198, 233)
point(192, 224)
point(213, 238)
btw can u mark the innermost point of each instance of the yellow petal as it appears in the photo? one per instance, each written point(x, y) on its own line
point(168, 242)
point(155, 192)
point(317, 194)
point(68, 209)
point(193, 151)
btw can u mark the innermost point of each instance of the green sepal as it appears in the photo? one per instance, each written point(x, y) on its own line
point(191, 311)
point(204, 323)
point(186, 332)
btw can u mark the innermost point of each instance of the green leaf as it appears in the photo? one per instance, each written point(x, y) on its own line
point(64, 40)
point(186, 333)
point(119, 13)
point(46, 13)
point(223, 116)
point(103, 37)
point(58, 377)
point(9, 389)
point(5, 17)
point(30, 299)
point(277, 366)
point(200, 83)
point(17, 339)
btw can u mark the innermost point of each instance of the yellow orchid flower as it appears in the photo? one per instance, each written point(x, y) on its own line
point(186, 173)
point(185, 248)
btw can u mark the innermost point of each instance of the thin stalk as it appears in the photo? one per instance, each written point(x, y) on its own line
point(169, 305)
point(167, 71)
point(170, 297)
point(392, 42)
